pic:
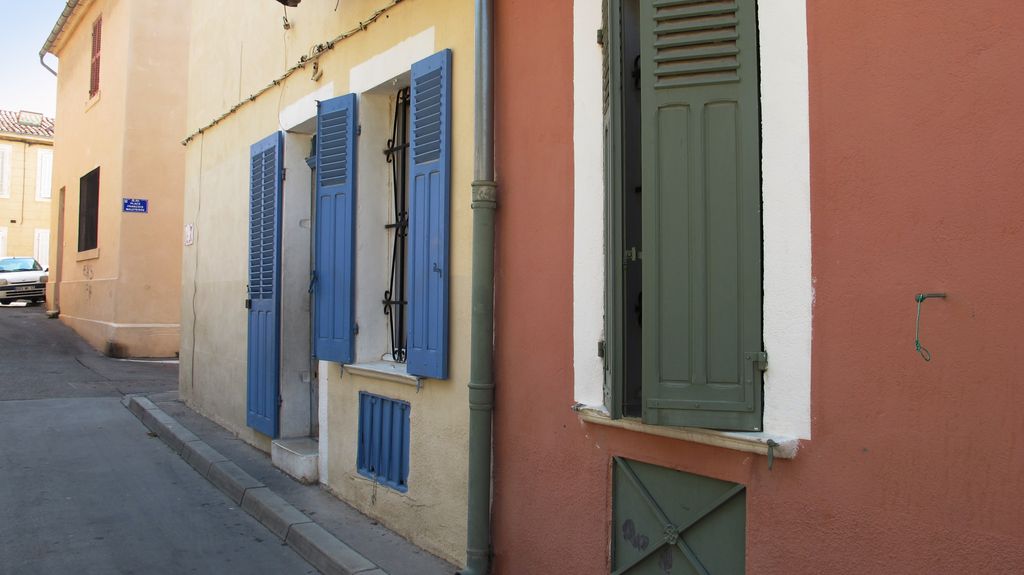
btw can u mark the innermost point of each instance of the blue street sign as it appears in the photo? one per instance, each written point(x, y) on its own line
point(134, 205)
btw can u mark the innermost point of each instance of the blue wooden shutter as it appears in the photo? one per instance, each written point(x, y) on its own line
point(700, 124)
point(263, 362)
point(430, 180)
point(335, 228)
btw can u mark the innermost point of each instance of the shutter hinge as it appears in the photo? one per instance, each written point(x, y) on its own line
point(759, 358)
point(359, 129)
point(633, 254)
point(602, 353)
point(355, 328)
point(600, 36)
point(284, 174)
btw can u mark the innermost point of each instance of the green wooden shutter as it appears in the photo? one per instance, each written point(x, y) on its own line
point(701, 214)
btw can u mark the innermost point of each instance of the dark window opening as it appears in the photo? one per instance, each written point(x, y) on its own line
point(88, 210)
point(397, 154)
point(632, 225)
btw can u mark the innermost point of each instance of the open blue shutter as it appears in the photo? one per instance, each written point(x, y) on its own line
point(335, 228)
point(427, 346)
point(263, 361)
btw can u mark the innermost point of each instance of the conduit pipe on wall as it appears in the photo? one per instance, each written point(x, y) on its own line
point(57, 28)
point(481, 377)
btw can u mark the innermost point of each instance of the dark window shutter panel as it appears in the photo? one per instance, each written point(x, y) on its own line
point(335, 229)
point(430, 182)
point(701, 211)
point(94, 72)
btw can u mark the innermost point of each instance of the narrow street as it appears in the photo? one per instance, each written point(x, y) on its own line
point(84, 488)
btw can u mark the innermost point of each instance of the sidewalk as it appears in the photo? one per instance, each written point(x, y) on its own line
point(328, 533)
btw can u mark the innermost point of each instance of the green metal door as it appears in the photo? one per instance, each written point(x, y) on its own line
point(671, 522)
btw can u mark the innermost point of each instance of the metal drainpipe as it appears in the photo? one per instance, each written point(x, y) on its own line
point(481, 381)
point(57, 28)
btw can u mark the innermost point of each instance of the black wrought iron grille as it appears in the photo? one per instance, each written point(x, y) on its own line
point(397, 154)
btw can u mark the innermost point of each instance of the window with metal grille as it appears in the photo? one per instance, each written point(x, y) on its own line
point(397, 152)
point(94, 71)
point(383, 452)
point(88, 210)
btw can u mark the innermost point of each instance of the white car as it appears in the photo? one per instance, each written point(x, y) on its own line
point(22, 279)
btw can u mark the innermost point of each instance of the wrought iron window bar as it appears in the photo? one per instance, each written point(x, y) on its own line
point(397, 154)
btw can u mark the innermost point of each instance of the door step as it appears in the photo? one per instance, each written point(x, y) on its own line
point(298, 457)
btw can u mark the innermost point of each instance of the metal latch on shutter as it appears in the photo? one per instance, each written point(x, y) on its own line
point(759, 359)
point(633, 254)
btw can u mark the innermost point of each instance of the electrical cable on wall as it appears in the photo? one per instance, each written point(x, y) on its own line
point(315, 53)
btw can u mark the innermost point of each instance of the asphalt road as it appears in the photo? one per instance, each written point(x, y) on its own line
point(85, 489)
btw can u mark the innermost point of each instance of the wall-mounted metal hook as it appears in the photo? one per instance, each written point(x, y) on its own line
point(919, 298)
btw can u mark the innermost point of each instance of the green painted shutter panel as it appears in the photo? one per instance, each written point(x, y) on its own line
point(701, 214)
point(669, 521)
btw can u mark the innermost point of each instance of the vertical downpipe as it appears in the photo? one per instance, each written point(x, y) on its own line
point(481, 381)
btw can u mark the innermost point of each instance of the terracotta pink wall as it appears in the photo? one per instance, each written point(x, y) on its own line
point(917, 161)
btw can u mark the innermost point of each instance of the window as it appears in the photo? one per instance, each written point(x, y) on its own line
point(88, 210)
point(44, 174)
point(415, 298)
point(5, 171)
point(684, 211)
point(94, 70)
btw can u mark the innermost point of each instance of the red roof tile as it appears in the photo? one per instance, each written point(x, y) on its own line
point(26, 124)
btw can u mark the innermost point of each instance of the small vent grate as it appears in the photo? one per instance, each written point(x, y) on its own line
point(261, 226)
point(383, 451)
point(427, 128)
point(333, 136)
point(695, 42)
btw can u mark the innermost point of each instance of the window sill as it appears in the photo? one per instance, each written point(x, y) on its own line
point(92, 101)
point(751, 442)
point(88, 255)
point(385, 370)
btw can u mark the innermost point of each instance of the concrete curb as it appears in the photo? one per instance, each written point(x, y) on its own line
point(311, 541)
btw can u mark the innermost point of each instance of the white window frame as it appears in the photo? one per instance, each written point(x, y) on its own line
point(785, 160)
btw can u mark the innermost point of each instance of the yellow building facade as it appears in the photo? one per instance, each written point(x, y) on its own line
point(26, 163)
point(382, 432)
point(118, 173)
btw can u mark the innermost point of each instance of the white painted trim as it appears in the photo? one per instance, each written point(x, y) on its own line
point(294, 115)
point(3, 241)
point(42, 255)
point(6, 157)
point(788, 285)
point(392, 62)
point(588, 207)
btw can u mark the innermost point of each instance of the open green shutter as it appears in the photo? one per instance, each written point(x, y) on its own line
point(701, 214)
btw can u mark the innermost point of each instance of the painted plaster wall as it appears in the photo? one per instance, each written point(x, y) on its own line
point(122, 297)
point(913, 467)
point(233, 53)
point(22, 213)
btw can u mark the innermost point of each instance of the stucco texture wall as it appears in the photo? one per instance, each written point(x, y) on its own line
point(122, 297)
point(24, 212)
point(234, 53)
point(913, 467)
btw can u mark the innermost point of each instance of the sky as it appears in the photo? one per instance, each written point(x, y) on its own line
point(24, 84)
